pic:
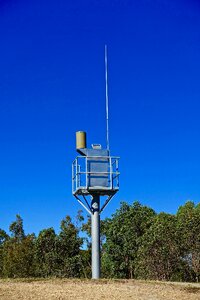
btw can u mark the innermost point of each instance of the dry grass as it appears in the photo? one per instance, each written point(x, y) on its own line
point(92, 290)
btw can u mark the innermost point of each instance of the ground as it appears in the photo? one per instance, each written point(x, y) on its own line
point(91, 290)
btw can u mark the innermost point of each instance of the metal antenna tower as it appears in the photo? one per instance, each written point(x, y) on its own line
point(95, 173)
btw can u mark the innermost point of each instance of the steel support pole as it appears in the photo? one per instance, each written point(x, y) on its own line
point(95, 224)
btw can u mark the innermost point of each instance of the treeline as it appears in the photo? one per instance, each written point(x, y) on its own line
point(136, 242)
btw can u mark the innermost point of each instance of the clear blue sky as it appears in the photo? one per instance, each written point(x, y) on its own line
point(52, 84)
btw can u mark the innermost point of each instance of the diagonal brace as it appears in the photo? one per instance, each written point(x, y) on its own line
point(83, 204)
point(106, 203)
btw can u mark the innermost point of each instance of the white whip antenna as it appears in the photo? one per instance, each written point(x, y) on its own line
point(106, 82)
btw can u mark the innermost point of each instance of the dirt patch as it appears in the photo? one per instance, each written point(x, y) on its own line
point(94, 290)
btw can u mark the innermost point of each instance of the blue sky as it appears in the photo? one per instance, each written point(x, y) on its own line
point(52, 84)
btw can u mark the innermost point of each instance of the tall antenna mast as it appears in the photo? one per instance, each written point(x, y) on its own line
point(94, 174)
point(106, 83)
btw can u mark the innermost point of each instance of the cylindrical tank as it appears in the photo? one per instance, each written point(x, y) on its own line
point(80, 139)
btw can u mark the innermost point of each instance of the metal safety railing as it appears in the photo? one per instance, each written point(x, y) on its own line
point(95, 172)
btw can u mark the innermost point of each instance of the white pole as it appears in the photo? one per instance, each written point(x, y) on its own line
point(106, 83)
point(95, 226)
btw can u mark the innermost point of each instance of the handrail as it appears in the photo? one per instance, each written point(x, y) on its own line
point(81, 176)
point(96, 172)
point(96, 156)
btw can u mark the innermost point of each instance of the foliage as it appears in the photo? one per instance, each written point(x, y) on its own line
point(45, 253)
point(59, 255)
point(49, 254)
point(86, 263)
point(123, 234)
point(18, 252)
point(135, 243)
point(158, 254)
point(188, 217)
point(16, 229)
point(18, 258)
point(3, 238)
point(68, 249)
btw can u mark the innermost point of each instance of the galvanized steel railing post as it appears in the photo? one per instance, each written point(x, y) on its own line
point(86, 169)
point(76, 172)
point(111, 183)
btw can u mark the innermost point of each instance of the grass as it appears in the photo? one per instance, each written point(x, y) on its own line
point(111, 289)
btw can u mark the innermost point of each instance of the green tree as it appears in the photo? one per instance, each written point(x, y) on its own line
point(68, 249)
point(188, 217)
point(18, 252)
point(59, 255)
point(16, 228)
point(3, 238)
point(159, 254)
point(123, 232)
point(45, 253)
